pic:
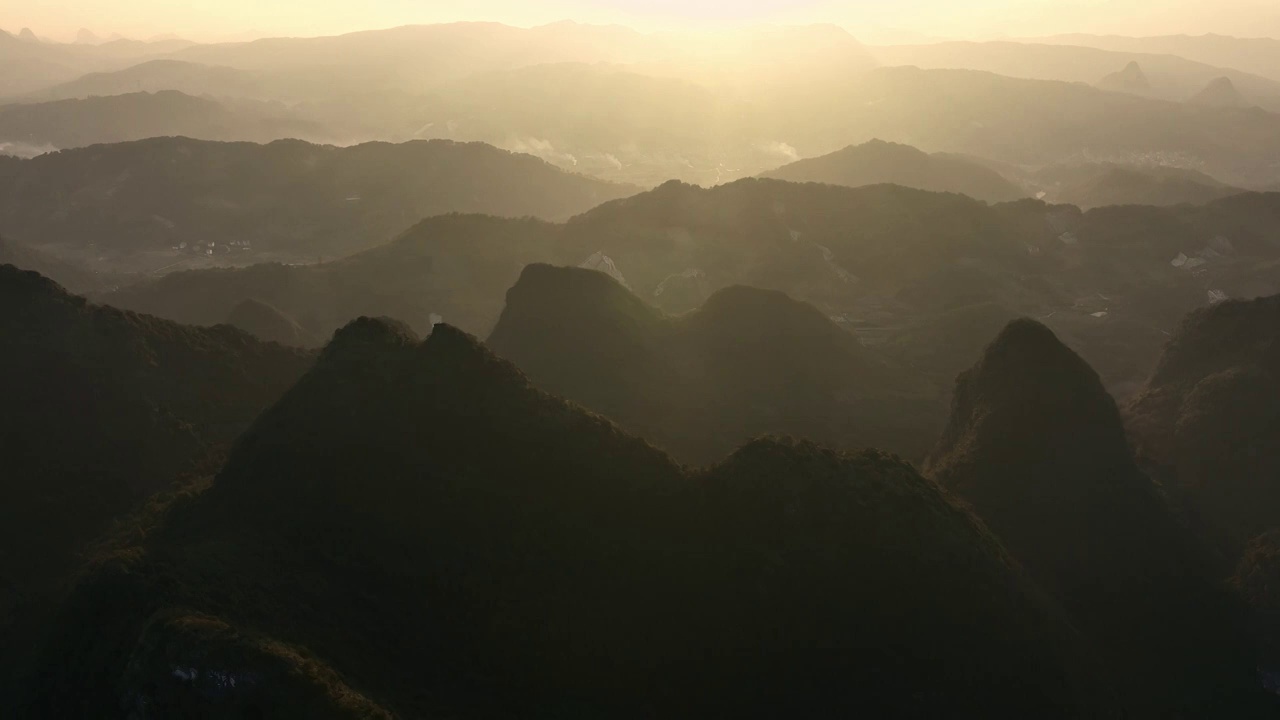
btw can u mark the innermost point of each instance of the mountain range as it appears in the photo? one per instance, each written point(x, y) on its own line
point(180, 202)
point(568, 567)
point(885, 262)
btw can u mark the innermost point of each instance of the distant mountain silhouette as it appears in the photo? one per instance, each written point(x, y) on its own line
point(747, 363)
point(1259, 55)
point(161, 75)
point(1168, 76)
point(878, 162)
point(1210, 414)
point(567, 568)
point(285, 198)
point(103, 408)
point(1129, 80)
point(267, 323)
point(1035, 445)
point(1220, 92)
point(119, 118)
point(1091, 185)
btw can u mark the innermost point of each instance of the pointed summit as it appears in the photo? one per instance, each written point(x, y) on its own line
point(1036, 447)
point(1129, 80)
point(1220, 92)
point(27, 36)
point(85, 36)
point(1031, 394)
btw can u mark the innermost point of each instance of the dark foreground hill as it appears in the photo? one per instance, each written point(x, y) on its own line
point(176, 200)
point(414, 531)
point(1035, 445)
point(1210, 417)
point(102, 408)
point(877, 162)
point(748, 362)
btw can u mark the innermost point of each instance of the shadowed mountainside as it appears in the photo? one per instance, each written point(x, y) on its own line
point(566, 565)
point(1036, 446)
point(103, 408)
point(1209, 417)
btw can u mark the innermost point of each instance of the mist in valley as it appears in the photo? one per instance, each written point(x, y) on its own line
point(628, 359)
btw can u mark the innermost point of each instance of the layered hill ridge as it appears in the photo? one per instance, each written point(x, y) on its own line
point(194, 201)
point(882, 260)
point(565, 565)
point(1036, 446)
point(134, 116)
point(877, 162)
point(1094, 185)
point(748, 362)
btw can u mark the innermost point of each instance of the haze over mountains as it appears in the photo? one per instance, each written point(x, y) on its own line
point(644, 108)
point(888, 263)
point(819, 379)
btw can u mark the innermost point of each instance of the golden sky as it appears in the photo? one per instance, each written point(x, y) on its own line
point(215, 19)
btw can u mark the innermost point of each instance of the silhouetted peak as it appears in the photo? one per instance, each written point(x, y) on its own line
point(568, 296)
point(16, 281)
point(541, 278)
point(460, 360)
point(1032, 396)
point(1220, 92)
point(26, 288)
point(738, 303)
point(884, 147)
point(674, 188)
point(28, 36)
point(1027, 346)
point(1130, 79)
point(365, 337)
